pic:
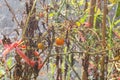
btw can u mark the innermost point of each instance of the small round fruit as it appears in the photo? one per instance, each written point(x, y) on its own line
point(40, 46)
point(41, 15)
point(59, 41)
point(87, 24)
point(23, 46)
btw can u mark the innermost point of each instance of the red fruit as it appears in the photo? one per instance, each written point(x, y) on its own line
point(23, 46)
point(87, 24)
point(41, 14)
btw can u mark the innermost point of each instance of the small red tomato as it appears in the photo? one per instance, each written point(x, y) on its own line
point(23, 46)
point(87, 24)
point(59, 41)
point(41, 15)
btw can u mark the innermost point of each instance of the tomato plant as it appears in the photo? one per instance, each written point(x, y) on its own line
point(74, 38)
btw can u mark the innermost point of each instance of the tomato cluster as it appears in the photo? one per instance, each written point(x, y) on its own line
point(58, 41)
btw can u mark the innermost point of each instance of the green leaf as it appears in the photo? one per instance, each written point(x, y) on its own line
point(51, 14)
point(97, 11)
point(52, 67)
point(2, 72)
point(73, 2)
point(81, 2)
point(65, 50)
point(78, 23)
point(118, 10)
point(9, 62)
point(116, 22)
point(82, 20)
point(113, 1)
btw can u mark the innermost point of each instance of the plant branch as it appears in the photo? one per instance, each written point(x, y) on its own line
point(12, 12)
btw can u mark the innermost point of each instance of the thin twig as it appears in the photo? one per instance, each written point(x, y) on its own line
point(12, 12)
point(28, 18)
point(5, 73)
point(73, 69)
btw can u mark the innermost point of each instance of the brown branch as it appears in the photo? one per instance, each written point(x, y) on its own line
point(86, 5)
point(103, 65)
point(99, 4)
point(116, 34)
point(104, 23)
point(91, 17)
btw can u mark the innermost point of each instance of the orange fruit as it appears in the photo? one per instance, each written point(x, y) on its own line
point(41, 14)
point(40, 46)
point(23, 46)
point(59, 41)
